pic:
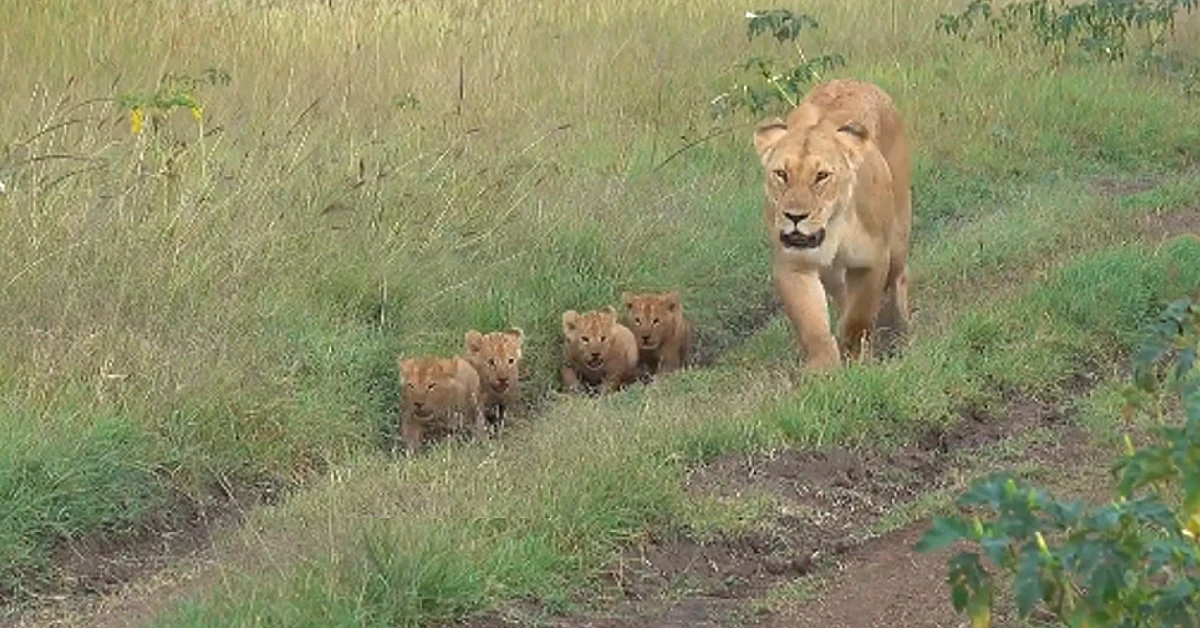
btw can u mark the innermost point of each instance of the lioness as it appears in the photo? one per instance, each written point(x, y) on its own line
point(441, 395)
point(497, 358)
point(597, 350)
point(663, 335)
point(839, 213)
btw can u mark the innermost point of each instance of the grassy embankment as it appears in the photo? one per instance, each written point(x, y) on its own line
point(218, 302)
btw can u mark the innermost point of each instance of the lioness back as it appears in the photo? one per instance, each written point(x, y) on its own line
point(497, 358)
point(597, 351)
point(663, 333)
point(439, 395)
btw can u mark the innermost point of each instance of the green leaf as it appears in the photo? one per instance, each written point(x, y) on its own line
point(1029, 588)
point(942, 533)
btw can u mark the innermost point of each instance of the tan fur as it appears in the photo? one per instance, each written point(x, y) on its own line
point(497, 358)
point(663, 334)
point(837, 187)
point(439, 394)
point(597, 350)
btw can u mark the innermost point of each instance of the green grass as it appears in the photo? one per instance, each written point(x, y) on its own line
point(220, 301)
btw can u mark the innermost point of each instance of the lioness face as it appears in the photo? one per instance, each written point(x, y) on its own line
point(653, 317)
point(497, 356)
point(809, 175)
point(428, 385)
point(590, 335)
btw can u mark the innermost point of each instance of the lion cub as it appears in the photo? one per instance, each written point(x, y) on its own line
point(439, 395)
point(497, 358)
point(663, 334)
point(597, 351)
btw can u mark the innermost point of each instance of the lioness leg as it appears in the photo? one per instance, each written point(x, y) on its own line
point(893, 320)
point(835, 285)
point(865, 287)
point(804, 301)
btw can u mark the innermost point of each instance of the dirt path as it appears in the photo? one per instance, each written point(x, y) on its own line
point(827, 554)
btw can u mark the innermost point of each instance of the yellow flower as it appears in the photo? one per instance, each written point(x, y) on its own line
point(136, 118)
point(197, 113)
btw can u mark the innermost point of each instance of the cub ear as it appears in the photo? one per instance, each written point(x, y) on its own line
point(855, 129)
point(569, 320)
point(516, 332)
point(767, 134)
point(474, 341)
point(627, 299)
point(406, 366)
point(672, 300)
point(608, 309)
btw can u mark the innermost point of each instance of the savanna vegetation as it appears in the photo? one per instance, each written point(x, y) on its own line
point(223, 220)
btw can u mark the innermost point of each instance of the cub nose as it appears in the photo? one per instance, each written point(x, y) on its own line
point(418, 404)
point(596, 355)
point(646, 338)
point(795, 218)
point(502, 381)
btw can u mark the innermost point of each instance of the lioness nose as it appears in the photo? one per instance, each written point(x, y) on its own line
point(503, 381)
point(795, 218)
point(595, 354)
point(646, 338)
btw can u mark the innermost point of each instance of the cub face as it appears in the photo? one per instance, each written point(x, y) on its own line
point(655, 317)
point(429, 386)
point(590, 335)
point(810, 175)
point(497, 357)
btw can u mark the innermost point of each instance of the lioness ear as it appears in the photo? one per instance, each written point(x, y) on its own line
point(627, 298)
point(672, 300)
point(855, 129)
point(570, 317)
point(474, 341)
point(767, 133)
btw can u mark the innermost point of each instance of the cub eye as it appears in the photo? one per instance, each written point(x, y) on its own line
point(821, 176)
point(432, 385)
point(603, 338)
point(781, 174)
point(656, 321)
point(637, 321)
point(512, 360)
point(491, 361)
point(584, 338)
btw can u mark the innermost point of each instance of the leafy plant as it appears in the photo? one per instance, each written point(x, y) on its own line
point(175, 91)
point(1132, 562)
point(1101, 29)
point(769, 79)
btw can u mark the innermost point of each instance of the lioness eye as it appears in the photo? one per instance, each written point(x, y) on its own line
point(821, 176)
point(584, 338)
point(656, 321)
point(432, 385)
point(603, 338)
point(781, 174)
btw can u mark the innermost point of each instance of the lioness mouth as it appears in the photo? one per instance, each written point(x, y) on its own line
point(797, 240)
point(595, 363)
